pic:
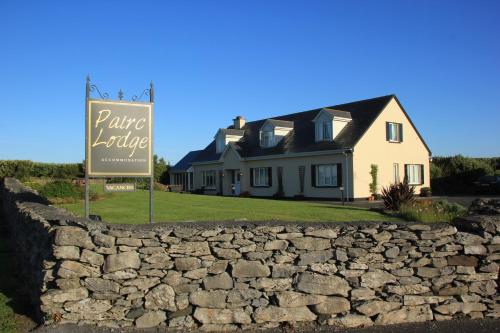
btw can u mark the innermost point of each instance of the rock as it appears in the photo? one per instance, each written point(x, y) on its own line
point(407, 314)
point(195, 249)
point(187, 264)
point(221, 281)
point(92, 258)
point(315, 257)
point(68, 283)
point(453, 308)
point(322, 233)
point(74, 269)
point(292, 299)
point(428, 272)
point(222, 316)
point(150, 319)
point(88, 306)
point(376, 279)
point(227, 253)
point(382, 237)
point(75, 236)
point(420, 300)
point(393, 252)
point(218, 267)
point(269, 284)
point(221, 238)
point(161, 297)
point(277, 314)
point(361, 294)
point(311, 243)
point(375, 307)
point(133, 242)
point(160, 260)
point(290, 235)
point(453, 291)
point(245, 268)
point(135, 313)
point(67, 252)
point(332, 305)
point(143, 283)
point(462, 261)
point(283, 270)
point(322, 285)
point(409, 289)
point(61, 296)
point(215, 299)
point(104, 240)
point(324, 268)
point(101, 286)
point(466, 238)
point(121, 275)
point(276, 245)
point(350, 321)
point(475, 249)
point(196, 274)
point(219, 328)
point(121, 261)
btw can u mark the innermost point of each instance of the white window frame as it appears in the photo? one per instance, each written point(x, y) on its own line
point(326, 175)
point(208, 179)
point(260, 177)
point(395, 171)
point(414, 174)
point(266, 135)
point(394, 132)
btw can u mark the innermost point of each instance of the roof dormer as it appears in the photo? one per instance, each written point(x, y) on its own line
point(272, 131)
point(328, 123)
point(226, 135)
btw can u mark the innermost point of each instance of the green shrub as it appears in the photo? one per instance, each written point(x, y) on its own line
point(19, 169)
point(431, 211)
point(374, 183)
point(22, 170)
point(397, 194)
point(61, 189)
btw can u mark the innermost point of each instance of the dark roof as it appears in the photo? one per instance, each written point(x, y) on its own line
point(232, 131)
point(302, 138)
point(280, 123)
point(185, 162)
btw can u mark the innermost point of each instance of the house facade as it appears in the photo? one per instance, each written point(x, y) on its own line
point(321, 153)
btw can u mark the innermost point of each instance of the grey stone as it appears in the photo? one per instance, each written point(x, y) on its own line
point(393, 252)
point(215, 299)
point(292, 299)
point(407, 314)
point(161, 297)
point(322, 285)
point(315, 257)
point(311, 243)
point(324, 268)
point(67, 252)
point(332, 305)
point(142, 283)
point(68, 283)
point(475, 249)
point(88, 306)
point(133, 242)
point(276, 245)
point(277, 314)
point(221, 281)
point(244, 269)
point(350, 321)
point(73, 236)
point(410, 289)
point(283, 270)
point(322, 233)
point(61, 296)
point(92, 258)
point(218, 267)
point(101, 285)
point(104, 240)
point(122, 261)
point(428, 272)
point(187, 264)
point(227, 253)
point(150, 319)
point(290, 235)
point(361, 294)
point(196, 249)
point(196, 274)
point(376, 279)
point(373, 308)
point(222, 316)
point(453, 308)
point(74, 269)
point(272, 284)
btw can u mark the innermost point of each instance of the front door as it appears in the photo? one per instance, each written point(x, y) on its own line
point(235, 182)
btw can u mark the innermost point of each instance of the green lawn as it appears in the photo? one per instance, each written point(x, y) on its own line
point(132, 207)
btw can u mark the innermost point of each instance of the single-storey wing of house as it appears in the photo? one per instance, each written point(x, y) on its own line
point(182, 173)
point(322, 153)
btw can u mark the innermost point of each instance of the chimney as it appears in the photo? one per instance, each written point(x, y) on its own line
point(239, 122)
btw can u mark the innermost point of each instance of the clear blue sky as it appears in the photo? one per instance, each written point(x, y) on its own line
point(213, 60)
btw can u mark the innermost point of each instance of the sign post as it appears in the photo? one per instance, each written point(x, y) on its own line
point(118, 139)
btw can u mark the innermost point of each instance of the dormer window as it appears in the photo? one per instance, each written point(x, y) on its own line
point(221, 144)
point(226, 135)
point(266, 139)
point(329, 123)
point(326, 130)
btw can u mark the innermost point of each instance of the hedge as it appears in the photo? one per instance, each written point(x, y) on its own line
point(23, 169)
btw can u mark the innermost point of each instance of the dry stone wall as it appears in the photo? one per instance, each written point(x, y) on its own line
point(223, 276)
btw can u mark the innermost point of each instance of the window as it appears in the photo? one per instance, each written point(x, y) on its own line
point(394, 132)
point(395, 168)
point(327, 130)
point(266, 138)
point(414, 174)
point(326, 175)
point(261, 177)
point(208, 179)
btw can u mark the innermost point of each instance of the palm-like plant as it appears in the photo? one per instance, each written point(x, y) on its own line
point(397, 194)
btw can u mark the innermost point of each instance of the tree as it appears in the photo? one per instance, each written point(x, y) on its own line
point(160, 169)
point(374, 183)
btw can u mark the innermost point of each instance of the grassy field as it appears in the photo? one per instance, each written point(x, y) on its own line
point(132, 207)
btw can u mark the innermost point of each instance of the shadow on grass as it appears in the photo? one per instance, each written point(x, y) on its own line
point(18, 314)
